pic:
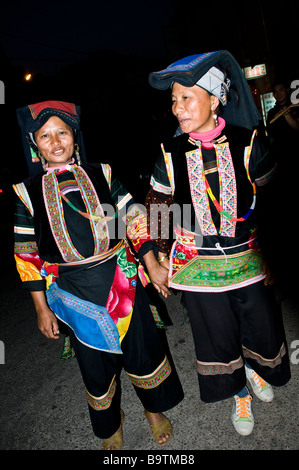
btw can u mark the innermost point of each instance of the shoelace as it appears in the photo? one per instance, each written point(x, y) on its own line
point(258, 379)
point(243, 408)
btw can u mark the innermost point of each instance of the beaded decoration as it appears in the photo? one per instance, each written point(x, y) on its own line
point(224, 213)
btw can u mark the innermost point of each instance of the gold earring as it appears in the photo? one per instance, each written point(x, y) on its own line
point(43, 161)
point(78, 158)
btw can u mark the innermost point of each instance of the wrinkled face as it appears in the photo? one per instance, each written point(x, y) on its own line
point(194, 108)
point(55, 141)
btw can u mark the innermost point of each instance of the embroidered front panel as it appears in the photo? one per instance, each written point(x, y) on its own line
point(55, 213)
point(152, 380)
point(103, 402)
point(54, 207)
point(198, 192)
point(228, 189)
point(219, 368)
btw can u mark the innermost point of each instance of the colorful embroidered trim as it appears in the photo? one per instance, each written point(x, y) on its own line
point(136, 223)
point(158, 321)
point(262, 360)
point(22, 230)
point(103, 402)
point(68, 351)
point(68, 186)
point(159, 187)
point(107, 173)
point(199, 193)
point(152, 380)
point(169, 168)
point(21, 191)
point(219, 368)
point(94, 208)
point(25, 247)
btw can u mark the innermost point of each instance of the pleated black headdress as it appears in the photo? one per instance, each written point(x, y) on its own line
point(240, 109)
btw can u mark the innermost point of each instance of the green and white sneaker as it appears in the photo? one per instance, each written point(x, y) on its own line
point(260, 387)
point(242, 416)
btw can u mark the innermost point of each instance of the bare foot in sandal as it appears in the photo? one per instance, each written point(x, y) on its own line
point(160, 426)
point(115, 442)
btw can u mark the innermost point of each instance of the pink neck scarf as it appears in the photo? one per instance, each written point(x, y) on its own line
point(59, 167)
point(207, 137)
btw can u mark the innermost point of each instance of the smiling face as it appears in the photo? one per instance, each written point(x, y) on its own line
point(194, 108)
point(55, 141)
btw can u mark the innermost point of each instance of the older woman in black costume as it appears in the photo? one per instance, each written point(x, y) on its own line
point(71, 249)
point(218, 167)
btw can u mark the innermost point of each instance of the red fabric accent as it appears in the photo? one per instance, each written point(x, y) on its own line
point(31, 258)
point(61, 105)
point(51, 268)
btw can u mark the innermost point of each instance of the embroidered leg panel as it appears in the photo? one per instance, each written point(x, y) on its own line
point(103, 402)
point(159, 390)
point(218, 368)
point(150, 381)
point(275, 370)
point(219, 380)
point(105, 410)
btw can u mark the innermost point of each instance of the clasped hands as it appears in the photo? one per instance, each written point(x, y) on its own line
point(158, 271)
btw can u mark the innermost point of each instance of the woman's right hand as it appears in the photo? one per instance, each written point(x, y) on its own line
point(46, 320)
point(48, 325)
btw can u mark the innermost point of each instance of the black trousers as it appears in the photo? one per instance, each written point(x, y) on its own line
point(231, 327)
point(146, 360)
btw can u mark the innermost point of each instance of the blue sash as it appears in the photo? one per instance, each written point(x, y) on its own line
point(91, 323)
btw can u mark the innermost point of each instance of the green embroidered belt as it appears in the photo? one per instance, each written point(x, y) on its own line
point(214, 273)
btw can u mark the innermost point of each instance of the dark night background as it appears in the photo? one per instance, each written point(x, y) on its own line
point(99, 55)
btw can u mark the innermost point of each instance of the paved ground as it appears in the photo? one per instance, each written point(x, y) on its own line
point(43, 405)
